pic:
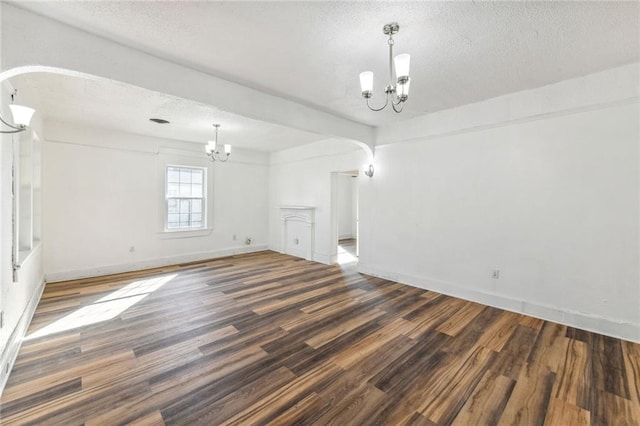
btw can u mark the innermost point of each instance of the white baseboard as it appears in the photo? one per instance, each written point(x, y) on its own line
point(345, 237)
point(317, 257)
point(322, 258)
point(10, 352)
point(151, 263)
point(598, 324)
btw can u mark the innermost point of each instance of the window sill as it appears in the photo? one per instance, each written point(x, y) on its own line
point(181, 233)
point(24, 255)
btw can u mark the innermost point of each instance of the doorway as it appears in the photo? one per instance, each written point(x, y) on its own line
point(346, 217)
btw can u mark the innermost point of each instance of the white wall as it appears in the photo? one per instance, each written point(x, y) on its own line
point(19, 297)
point(354, 207)
point(551, 200)
point(103, 194)
point(303, 176)
point(346, 212)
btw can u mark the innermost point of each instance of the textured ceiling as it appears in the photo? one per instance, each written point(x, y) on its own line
point(112, 105)
point(312, 52)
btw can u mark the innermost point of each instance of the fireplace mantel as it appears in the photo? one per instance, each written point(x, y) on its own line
point(297, 230)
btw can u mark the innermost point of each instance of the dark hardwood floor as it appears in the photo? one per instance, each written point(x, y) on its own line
point(268, 338)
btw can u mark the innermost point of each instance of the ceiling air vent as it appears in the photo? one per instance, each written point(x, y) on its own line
point(159, 120)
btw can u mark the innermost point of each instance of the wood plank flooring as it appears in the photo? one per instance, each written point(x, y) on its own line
point(266, 338)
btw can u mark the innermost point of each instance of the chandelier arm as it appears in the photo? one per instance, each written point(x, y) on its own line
point(12, 131)
point(401, 103)
point(18, 128)
point(381, 108)
point(217, 156)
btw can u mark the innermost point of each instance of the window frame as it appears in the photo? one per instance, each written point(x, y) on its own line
point(171, 157)
point(203, 198)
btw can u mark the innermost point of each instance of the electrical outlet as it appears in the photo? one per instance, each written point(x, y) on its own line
point(132, 249)
point(2, 319)
point(495, 273)
point(235, 237)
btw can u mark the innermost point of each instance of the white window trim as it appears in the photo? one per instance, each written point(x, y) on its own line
point(179, 158)
point(181, 233)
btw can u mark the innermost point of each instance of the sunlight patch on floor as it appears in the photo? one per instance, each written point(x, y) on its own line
point(345, 257)
point(105, 308)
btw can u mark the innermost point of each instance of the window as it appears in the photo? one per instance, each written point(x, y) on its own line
point(185, 198)
point(185, 194)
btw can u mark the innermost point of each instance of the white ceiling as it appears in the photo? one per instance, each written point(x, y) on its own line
point(312, 52)
point(108, 104)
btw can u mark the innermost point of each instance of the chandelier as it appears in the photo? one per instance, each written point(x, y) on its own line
point(398, 89)
point(213, 151)
point(21, 116)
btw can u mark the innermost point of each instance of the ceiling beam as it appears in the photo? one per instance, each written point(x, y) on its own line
point(32, 43)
